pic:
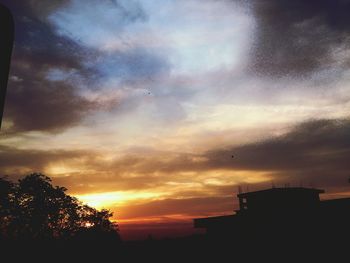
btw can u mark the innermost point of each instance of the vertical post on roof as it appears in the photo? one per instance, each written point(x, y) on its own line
point(6, 44)
point(273, 184)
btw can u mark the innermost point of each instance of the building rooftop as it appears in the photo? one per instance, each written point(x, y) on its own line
point(269, 201)
point(278, 199)
point(277, 191)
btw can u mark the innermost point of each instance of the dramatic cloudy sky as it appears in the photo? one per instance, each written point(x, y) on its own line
point(139, 105)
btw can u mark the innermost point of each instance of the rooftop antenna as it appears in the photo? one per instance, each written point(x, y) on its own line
point(239, 189)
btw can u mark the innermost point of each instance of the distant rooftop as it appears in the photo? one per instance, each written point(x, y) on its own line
point(277, 212)
point(279, 199)
point(279, 190)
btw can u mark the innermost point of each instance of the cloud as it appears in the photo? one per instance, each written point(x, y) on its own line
point(314, 151)
point(110, 28)
point(298, 37)
point(131, 66)
point(196, 184)
point(119, 64)
point(96, 23)
point(44, 106)
point(36, 39)
point(185, 206)
point(34, 102)
point(16, 162)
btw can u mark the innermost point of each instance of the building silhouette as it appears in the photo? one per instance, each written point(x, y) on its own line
point(290, 216)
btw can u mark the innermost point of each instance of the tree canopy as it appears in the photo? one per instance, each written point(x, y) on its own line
point(33, 208)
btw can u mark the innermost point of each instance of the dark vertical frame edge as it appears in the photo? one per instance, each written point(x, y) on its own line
point(6, 46)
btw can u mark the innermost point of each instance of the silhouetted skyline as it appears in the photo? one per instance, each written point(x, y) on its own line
point(40, 220)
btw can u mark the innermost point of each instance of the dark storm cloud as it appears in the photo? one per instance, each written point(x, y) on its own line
point(300, 36)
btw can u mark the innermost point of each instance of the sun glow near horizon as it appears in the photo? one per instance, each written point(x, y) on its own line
point(163, 203)
point(113, 199)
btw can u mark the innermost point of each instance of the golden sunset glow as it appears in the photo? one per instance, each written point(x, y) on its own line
point(115, 199)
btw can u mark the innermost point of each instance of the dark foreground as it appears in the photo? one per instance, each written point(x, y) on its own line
point(39, 222)
point(194, 248)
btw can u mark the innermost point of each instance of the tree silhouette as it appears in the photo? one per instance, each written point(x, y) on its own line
point(33, 208)
point(6, 205)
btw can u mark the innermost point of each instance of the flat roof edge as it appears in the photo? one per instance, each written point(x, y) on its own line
point(291, 189)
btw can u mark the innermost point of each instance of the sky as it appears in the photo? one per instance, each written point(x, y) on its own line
point(159, 109)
